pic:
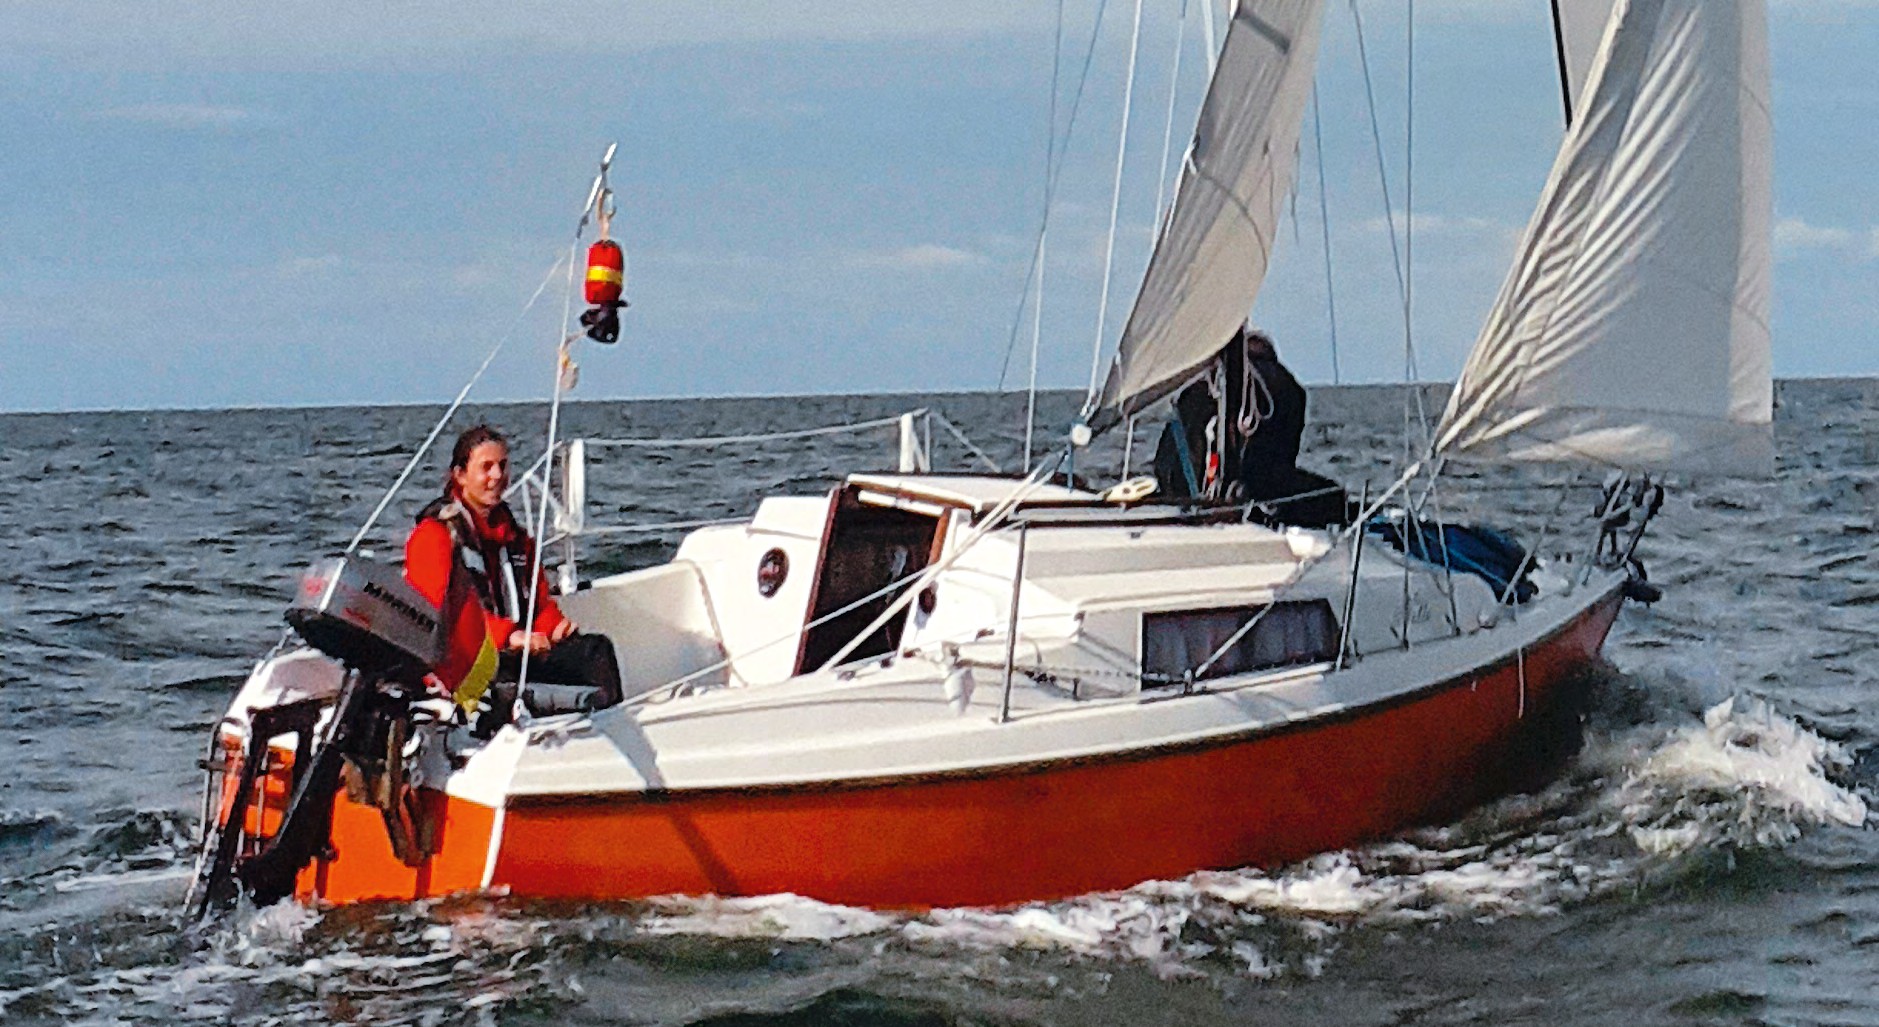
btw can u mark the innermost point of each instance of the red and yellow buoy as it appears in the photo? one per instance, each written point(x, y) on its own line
point(606, 273)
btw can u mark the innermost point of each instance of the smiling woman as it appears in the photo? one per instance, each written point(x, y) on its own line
point(470, 557)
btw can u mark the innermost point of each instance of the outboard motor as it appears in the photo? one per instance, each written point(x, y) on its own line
point(387, 636)
point(366, 616)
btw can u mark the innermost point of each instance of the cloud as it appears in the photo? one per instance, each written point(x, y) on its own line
point(1431, 224)
point(924, 257)
point(303, 34)
point(1795, 236)
point(191, 116)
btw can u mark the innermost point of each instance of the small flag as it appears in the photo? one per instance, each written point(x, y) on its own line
point(476, 680)
point(570, 373)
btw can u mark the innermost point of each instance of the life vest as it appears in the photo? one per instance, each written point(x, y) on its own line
point(497, 567)
point(486, 574)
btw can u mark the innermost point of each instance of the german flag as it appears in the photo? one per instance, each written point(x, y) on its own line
point(476, 680)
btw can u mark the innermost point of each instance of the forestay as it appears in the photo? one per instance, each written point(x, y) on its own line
point(1212, 256)
point(1632, 330)
point(1581, 25)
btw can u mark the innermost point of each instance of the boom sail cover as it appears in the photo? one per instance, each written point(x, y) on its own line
point(1212, 256)
point(1632, 330)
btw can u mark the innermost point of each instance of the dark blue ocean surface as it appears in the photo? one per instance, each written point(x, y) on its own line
point(1706, 858)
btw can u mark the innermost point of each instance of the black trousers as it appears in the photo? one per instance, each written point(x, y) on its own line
point(579, 659)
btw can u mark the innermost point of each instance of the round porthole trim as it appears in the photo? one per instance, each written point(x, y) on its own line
point(772, 571)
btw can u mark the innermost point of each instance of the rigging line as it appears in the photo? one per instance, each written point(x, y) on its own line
point(1115, 207)
point(960, 437)
point(1410, 369)
point(993, 519)
point(1209, 37)
point(1043, 232)
point(1350, 532)
point(1167, 131)
point(1324, 221)
point(1559, 49)
point(1037, 337)
point(1050, 192)
point(653, 529)
point(1383, 176)
point(596, 195)
point(437, 429)
point(913, 583)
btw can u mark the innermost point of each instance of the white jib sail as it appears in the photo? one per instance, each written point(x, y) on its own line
point(1632, 330)
point(1212, 257)
point(1581, 28)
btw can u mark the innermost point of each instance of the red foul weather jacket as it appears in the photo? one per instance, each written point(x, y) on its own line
point(474, 569)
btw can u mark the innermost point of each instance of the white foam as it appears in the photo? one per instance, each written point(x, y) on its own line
point(1745, 776)
point(125, 878)
point(790, 917)
point(1633, 804)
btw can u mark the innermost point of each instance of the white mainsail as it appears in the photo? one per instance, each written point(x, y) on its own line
point(1210, 260)
point(1632, 330)
point(1581, 25)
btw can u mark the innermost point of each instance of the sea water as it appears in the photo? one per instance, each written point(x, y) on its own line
point(1706, 858)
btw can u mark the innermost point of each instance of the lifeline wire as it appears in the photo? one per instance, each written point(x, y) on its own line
point(1357, 525)
point(853, 427)
point(725, 440)
point(912, 583)
point(999, 513)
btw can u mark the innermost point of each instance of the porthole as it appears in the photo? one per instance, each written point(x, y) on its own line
point(772, 570)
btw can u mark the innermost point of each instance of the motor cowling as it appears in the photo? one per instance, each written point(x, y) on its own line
point(366, 616)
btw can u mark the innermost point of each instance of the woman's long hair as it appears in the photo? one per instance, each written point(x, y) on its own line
point(466, 444)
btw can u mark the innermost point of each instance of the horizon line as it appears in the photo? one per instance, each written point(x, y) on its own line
point(288, 407)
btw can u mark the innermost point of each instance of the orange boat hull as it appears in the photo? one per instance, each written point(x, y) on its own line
point(1050, 830)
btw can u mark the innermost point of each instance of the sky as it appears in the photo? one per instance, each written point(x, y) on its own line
point(223, 203)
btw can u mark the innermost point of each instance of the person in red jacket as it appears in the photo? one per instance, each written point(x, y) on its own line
point(469, 556)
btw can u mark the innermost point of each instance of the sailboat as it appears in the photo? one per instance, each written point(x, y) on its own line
point(926, 689)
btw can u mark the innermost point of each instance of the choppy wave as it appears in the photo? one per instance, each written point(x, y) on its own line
point(1727, 768)
point(1636, 808)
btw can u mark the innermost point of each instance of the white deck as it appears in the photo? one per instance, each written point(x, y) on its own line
point(1077, 690)
point(745, 718)
point(894, 721)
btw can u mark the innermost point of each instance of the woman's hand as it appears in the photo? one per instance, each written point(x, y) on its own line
point(533, 641)
point(561, 631)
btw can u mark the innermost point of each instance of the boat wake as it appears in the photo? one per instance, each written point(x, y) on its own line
point(1642, 806)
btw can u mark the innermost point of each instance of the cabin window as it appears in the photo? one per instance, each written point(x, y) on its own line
point(1289, 634)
